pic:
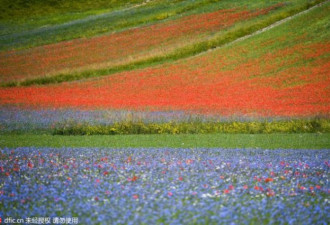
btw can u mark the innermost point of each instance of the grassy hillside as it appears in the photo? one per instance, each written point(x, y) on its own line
point(21, 21)
point(21, 32)
point(120, 48)
point(281, 72)
point(139, 46)
point(18, 32)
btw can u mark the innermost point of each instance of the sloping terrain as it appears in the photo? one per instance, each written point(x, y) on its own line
point(281, 72)
point(187, 28)
point(118, 48)
point(68, 20)
point(19, 15)
point(17, 9)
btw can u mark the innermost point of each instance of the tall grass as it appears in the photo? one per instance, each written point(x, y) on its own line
point(196, 127)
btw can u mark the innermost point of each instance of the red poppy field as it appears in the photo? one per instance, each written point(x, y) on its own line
point(119, 48)
point(277, 73)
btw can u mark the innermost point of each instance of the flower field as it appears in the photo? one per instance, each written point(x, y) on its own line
point(119, 48)
point(34, 119)
point(165, 112)
point(277, 73)
point(166, 186)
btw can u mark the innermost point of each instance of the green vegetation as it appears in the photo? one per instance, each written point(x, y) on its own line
point(222, 38)
point(21, 20)
point(195, 127)
point(310, 28)
point(27, 9)
point(264, 141)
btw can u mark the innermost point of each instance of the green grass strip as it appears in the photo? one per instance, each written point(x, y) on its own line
point(232, 35)
point(264, 141)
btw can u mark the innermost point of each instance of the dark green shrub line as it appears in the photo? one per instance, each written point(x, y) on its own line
point(191, 50)
point(195, 127)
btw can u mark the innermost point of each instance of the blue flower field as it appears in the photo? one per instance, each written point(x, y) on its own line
point(166, 186)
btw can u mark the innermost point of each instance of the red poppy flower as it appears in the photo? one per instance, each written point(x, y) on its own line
point(105, 173)
point(30, 165)
point(16, 168)
point(134, 178)
point(267, 180)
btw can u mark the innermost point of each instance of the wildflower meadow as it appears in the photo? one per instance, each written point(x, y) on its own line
point(165, 112)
